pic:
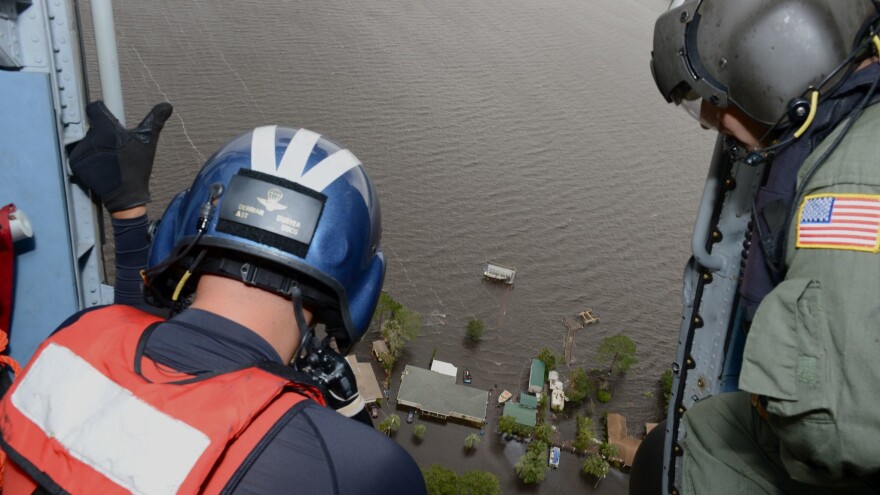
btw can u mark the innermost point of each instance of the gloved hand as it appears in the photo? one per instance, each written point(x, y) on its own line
point(116, 163)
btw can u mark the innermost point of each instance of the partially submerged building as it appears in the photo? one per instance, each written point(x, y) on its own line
point(436, 394)
point(501, 273)
point(536, 377)
point(557, 396)
point(379, 347)
point(525, 413)
point(444, 368)
point(619, 437)
point(368, 385)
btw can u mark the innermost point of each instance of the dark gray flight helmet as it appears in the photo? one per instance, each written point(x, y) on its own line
point(755, 54)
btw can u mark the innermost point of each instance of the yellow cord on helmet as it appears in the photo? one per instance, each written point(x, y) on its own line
point(876, 40)
point(814, 102)
point(180, 285)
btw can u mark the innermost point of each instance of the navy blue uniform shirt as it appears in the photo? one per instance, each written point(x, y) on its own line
point(312, 449)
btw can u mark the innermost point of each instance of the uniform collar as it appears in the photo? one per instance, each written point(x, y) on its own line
point(198, 341)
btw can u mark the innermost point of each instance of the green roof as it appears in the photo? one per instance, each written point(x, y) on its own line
point(536, 376)
point(527, 400)
point(523, 415)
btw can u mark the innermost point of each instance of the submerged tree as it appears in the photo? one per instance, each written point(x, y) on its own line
point(478, 483)
point(440, 480)
point(532, 466)
point(386, 307)
point(543, 432)
point(597, 467)
point(507, 425)
point(388, 361)
point(475, 329)
point(579, 386)
point(397, 324)
point(390, 424)
point(607, 450)
point(585, 433)
point(418, 431)
point(618, 351)
point(471, 441)
point(400, 329)
point(549, 359)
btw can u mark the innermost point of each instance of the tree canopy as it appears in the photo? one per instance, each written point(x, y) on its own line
point(472, 441)
point(532, 466)
point(618, 352)
point(385, 309)
point(579, 386)
point(440, 480)
point(443, 481)
point(475, 329)
point(478, 483)
point(549, 359)
point(507, 424)
point(607, 450)
point(390, 424)
point(418, 431)
point(597, 467)
point(400, 328)
point(543, 432)
point(585, 433)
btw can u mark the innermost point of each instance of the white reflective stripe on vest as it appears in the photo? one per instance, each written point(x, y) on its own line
point(106, 427)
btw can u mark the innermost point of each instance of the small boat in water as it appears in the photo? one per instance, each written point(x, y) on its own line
point(554, 457)
point(503, 397)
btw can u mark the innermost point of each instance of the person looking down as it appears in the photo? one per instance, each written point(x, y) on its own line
point(269, 267)
point(793, 85)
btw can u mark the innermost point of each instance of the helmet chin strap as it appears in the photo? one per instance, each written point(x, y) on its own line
point(305, 331)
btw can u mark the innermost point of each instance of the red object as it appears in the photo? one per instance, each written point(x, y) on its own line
point(7, 267)
point(233, 411)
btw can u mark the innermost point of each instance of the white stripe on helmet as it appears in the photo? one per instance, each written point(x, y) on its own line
point(295, 158)
point(263, 150)
point(329, 169)
point(297, 154)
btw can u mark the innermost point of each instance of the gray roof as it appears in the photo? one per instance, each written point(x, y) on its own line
point(439, 394)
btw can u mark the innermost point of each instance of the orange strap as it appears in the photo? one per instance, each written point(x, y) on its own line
point(758, 404)
point(6, 359)
point(16, 368)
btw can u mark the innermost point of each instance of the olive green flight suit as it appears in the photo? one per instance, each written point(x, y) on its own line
point(813, 351)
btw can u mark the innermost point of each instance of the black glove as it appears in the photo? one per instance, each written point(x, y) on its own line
point(116, 163)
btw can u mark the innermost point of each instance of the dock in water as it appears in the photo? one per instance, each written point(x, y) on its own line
point(587, 318)
point(501, 273)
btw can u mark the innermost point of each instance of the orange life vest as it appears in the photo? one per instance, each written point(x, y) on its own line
point(90, 414)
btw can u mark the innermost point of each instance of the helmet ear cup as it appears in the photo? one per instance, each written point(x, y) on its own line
point(798, 110)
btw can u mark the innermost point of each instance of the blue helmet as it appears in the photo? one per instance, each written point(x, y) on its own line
point(278, 208)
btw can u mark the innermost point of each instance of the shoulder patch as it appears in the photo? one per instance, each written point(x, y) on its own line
point(849, 222)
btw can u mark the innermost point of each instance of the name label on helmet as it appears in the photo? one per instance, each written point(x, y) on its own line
point(285, 210)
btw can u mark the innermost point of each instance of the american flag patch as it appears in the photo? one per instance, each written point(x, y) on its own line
point(840, 221)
